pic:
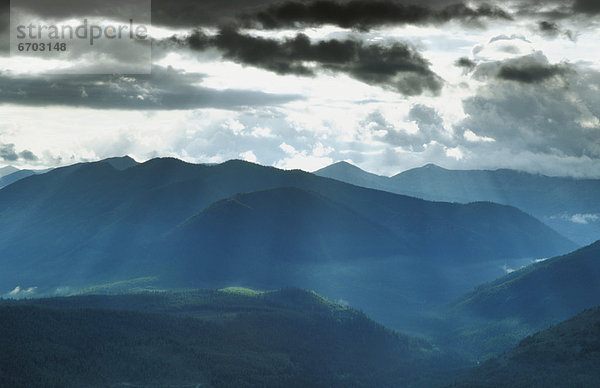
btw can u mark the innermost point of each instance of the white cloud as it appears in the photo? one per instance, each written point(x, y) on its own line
point(305, 160)
point(473, 138)
point(584, 218)
point(578, 218)
point(248, 156)
point(454, 153)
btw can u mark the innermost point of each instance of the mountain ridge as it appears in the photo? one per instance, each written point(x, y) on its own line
point(566, 204)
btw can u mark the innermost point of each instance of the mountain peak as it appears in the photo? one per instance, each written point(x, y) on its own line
point(343, 163)
point(431, 166)
point(338, 166)
point(121, 163)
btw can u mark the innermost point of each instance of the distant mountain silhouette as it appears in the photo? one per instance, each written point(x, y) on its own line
point(349, 173)
point(121, 163)
point(188, 224)
point(7, 170)
point(568, 205)
point(566, 355)
point(15, 176)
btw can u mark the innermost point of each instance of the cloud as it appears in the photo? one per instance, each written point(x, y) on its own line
point(397, 67)
point(584, 218)
point(308, 160)
point(365, 14)
point(528, 69)
point(578, 218)
point(271, 13)
point(549, 28)
point(553, 30)
point(194, 13)
point(556, 9)
point(546, 111)
point(590, 7)
point(248, 156)
point(427, 127)
point(511, 37)
point(165, 89)
point(28, 156)
point(530, 73)
point(466, 64)
point(9, 154)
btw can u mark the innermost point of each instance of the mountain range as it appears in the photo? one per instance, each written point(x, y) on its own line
point(434, 269)
point(240, 223)
point(568, 205)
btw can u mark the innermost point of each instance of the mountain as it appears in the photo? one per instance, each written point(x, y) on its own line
point(568, 205)
point(7, 170)
point(495, 315)
point(16, 176)
point(566, 355)
point(346, 172)
point(241, 223)
point(121, 163)
point(273, 229)
point(231, 337)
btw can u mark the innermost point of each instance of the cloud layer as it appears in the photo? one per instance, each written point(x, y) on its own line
point(397, 66)
point(365, 14)
point(165, 89)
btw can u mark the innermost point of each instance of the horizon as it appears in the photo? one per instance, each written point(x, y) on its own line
point(312, 172)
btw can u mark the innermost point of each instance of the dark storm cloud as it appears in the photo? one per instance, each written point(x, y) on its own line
point(366, 14)
point(553, 30)
point(528, 69)
point(557, 9)
point(465, 63)
point(9, 154)
point(549, 28)
point(398, 66)
point(591, 7)
point(530, 73)
point(165, 89)
point(359, 14)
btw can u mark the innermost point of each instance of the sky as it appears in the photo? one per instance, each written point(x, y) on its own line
point(383, 84)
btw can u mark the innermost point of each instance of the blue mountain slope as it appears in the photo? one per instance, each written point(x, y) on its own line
point(566, 355)
point(495, 316)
